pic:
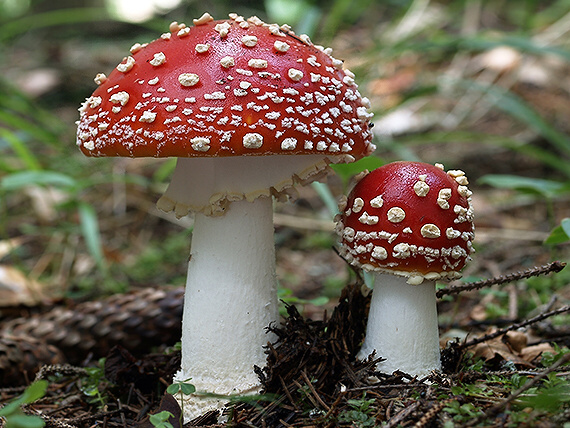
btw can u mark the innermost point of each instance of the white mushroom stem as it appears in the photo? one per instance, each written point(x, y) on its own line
point(231, 298)
point(402, 326)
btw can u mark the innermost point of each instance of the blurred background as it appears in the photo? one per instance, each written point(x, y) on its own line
point(478, 85)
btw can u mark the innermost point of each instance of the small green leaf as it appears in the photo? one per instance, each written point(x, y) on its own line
point(187, 388)
point(11, 407)
point(160, 420)
point(173, 389)
point(24, 421)
point(35, 391)
point(560, 234)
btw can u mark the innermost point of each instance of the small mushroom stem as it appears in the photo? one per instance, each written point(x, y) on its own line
point(231, 298)
point(402, 326)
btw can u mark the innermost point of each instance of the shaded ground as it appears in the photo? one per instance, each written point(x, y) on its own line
point(312, 378)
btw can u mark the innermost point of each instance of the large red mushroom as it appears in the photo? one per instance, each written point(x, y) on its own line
point(249, 109)
point(411, 224)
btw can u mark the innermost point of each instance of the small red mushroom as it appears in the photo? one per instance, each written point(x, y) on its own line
point(412, 224)
point(249, 109)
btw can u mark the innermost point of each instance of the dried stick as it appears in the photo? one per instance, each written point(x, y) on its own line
point(514, 327)
point(503, 279)
point(432, 413)
point(314, 391)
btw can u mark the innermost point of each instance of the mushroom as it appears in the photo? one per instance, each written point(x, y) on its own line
point(411, 224)
point(250, 110)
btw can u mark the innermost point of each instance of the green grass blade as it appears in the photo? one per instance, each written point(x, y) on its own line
point(91, 234)
point(22, 179)
point(52, 18)
point(20, 149)
point(547, 188)
point(519, 109)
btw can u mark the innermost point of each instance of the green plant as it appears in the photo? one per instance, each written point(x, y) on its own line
point(160, 420)
point(549, 397)
point(91, 385)
point(560, 234)
point(12, 413)
point(550, 358)
point(181, 388)
point(360, 414)
point(462, 412)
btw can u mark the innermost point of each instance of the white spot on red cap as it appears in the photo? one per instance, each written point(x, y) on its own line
point(120, 98)
point(183, 32)
point(289, 144)
point(158, 59)
point(148, 116)
point(223, 28)
point(202, 47)
point(188, 79)
point(295, 74)
point(257, 63)
point(442, 197)
point(366, 218)
point(252, 140)
point(281, 46)
point(217, 95)
point(452, 233)
point(421, 188)
point(377, 202)
point(227, 61)
point(200, 144)
point(430, 230)
point(396, 215)
point(100, 78)
point(204, 19)
point(126, 66)
point(357, 205)
point(379, 253)
point(249, 41)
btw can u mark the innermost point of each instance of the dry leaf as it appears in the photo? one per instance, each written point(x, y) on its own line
point(16, 289)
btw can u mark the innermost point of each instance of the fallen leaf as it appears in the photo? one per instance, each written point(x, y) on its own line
point(16, 289)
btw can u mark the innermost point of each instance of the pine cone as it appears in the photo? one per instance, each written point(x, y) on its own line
point(22, 356)
point(138, 321)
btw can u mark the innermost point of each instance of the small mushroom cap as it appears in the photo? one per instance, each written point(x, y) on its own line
point(411, 219)
point(226, 88)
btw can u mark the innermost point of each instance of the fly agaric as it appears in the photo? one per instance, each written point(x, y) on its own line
point(250, 110)
point(411, 224)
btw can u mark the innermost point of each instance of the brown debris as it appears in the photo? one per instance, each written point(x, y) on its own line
point(138, 321)
point(21, 356)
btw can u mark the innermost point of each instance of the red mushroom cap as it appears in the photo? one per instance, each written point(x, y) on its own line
point(411, 219)
point(226, 88)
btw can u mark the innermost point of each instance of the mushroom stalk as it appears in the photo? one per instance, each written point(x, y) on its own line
point(402, 326)
point(230, 299)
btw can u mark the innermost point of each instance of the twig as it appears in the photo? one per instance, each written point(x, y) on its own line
point(514, 327)
point(401, 415)
point(503, 279)
point(314, 391)
point(490, 412)
point(432, 413)
point(393, 386)
point(62, 369)
point(288, 393)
